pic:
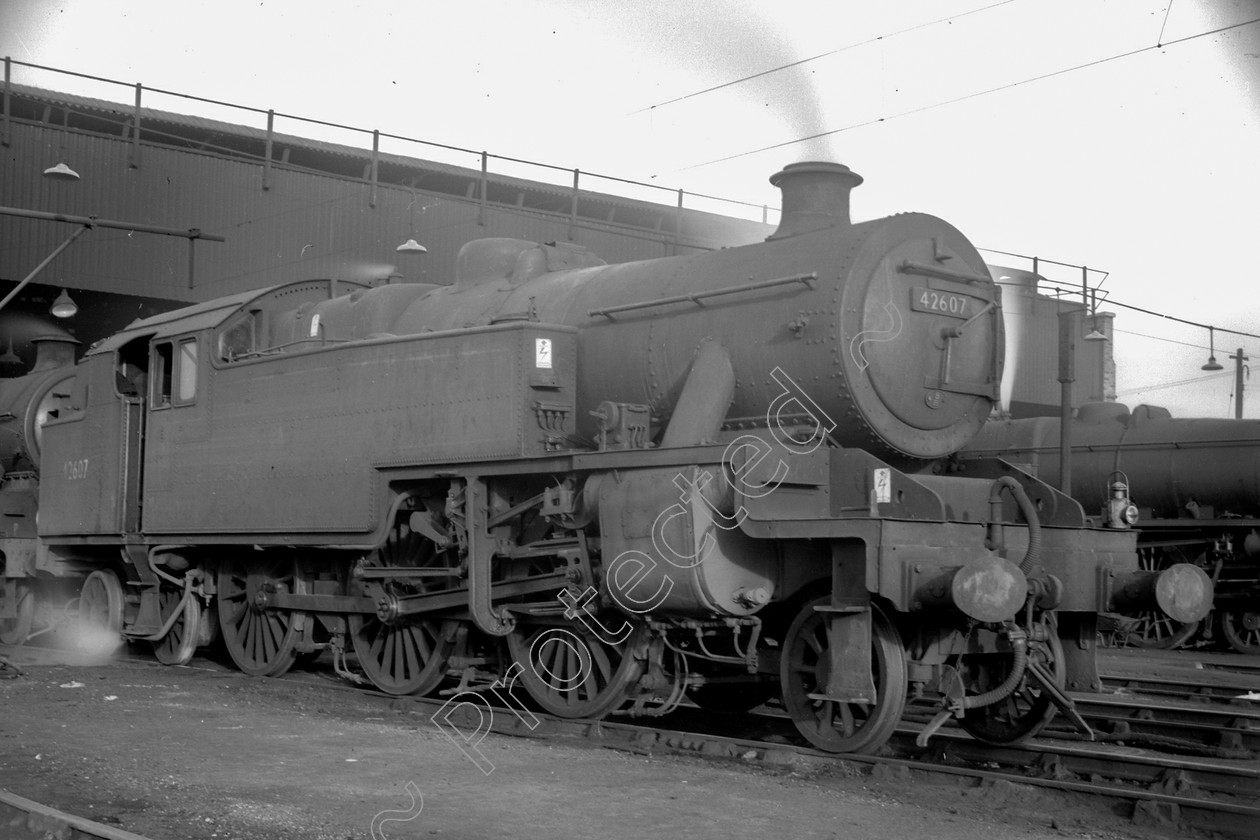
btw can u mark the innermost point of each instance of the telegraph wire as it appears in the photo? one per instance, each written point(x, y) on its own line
point(1160, 40)
point(801, 61)
point(965, 97)
point(1159, 338)
point(1113, 302)
point(1195, 380)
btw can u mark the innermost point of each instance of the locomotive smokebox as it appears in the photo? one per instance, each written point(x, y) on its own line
point(27, 401)
point(815, 196)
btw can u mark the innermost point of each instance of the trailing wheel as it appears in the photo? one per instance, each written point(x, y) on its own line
point(1241, 628)
point(13, 631)
point(570, 672)
point(1026, 710)
point(101, 611)
point(261, 640)
point(806, 666)
point(180, 643)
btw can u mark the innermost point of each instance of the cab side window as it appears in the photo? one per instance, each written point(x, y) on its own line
point(238, 340)
point(187, 372)
point(174, 373)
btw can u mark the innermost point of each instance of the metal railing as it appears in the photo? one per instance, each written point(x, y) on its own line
point(571, 178)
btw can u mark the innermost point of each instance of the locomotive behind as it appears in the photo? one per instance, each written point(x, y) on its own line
point(718, 476)
point(26, 403)
point(1196, 482)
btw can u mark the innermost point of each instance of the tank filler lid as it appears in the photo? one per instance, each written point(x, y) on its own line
point(1145, 413)
point(517, 260)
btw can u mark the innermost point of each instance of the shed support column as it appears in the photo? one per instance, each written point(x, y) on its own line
point(481, 204)
point(7, 127)
point(266, 184)
point(134, 162)
point(376, 155)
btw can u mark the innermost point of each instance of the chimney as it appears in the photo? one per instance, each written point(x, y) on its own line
point(53, 351)
point(815, 196)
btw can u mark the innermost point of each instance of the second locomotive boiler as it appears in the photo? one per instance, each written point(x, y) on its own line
point(1195, 482)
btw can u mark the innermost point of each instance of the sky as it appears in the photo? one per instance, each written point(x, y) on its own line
point(1116, 134)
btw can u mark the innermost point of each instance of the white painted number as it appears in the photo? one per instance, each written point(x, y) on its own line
point(937, 302)
point(75, 470)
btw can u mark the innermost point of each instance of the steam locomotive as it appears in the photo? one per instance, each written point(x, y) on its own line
point(719, 476)
point(1197, 484)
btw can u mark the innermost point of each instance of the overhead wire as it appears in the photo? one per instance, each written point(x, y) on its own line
point(1167, 12)
point(1159, 338)
point(1112, 302)
point(1194, 380)
point(968, 96)
point(801, 61)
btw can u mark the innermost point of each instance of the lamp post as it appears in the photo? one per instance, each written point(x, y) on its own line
point(1239, 358)
point(1067, 375)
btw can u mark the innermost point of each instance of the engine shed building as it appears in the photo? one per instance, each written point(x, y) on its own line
point(289, 208)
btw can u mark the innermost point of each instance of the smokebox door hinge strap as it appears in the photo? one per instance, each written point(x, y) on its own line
point(940, 273)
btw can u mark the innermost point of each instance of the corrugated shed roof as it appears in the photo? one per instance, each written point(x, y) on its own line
point(152, 117)
point(660, 220)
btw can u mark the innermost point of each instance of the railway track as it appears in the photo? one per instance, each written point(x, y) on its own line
point(1225, 730)
point(1187, 675)
point(1217, 795)
point(1158, 781)
point(25, 819)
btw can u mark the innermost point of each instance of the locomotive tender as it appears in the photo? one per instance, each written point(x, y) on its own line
point(716, 475)
point(1197, 484)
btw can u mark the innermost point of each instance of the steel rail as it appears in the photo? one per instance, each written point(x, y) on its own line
point(17, 813)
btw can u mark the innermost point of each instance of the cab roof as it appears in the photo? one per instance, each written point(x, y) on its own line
point(213, 313)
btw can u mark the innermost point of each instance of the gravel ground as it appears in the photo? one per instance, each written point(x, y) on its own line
point(204, 752)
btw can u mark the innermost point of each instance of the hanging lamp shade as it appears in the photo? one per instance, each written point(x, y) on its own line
point(61, 172)
point(64, 306)
point(1212, 364)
